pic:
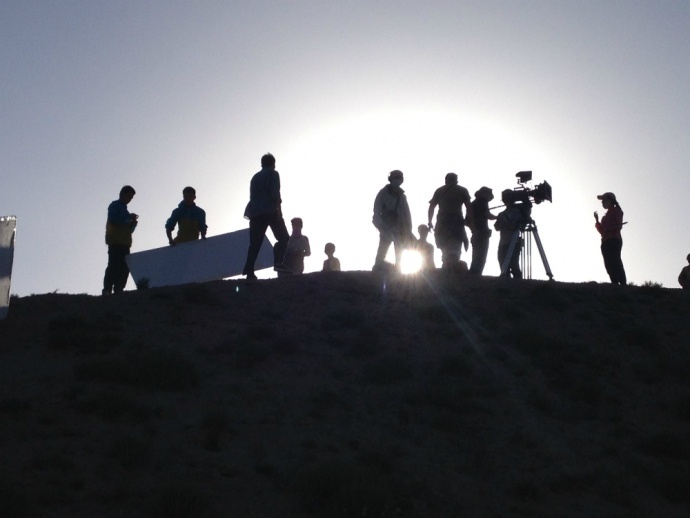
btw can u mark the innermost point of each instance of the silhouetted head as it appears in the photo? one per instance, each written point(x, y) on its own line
point(507, 197)
point(688, 258)
point(268, 161)
point(329, 249)
point(608, 199)
point(485, 193)
point(189, 195)
point(451, 179)
point(127, 193)
point(297, 223)
point(423, 231)
point(396, 178)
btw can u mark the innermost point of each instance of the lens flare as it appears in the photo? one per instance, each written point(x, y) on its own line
point(410, 262)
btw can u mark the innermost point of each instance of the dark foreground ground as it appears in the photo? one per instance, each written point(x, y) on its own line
point(343, 395)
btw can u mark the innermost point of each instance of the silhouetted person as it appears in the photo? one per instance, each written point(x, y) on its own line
point(684, 277)
point(450, 223)
point(263, 211)
point(332, 263)
point(426, 249)
point(481, 233)
point(189, 218)
point(118, 236)
point(611, 240)
point(297, 248)
point(507, 222)
point(392, 219)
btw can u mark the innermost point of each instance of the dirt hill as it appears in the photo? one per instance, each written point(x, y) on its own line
point(347, 394)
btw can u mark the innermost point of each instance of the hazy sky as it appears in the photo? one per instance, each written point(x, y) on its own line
point(592, 96)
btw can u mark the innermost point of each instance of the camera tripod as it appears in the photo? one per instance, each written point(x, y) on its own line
point(526, 230)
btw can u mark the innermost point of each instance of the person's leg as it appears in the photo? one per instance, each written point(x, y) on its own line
point(398, 248)
point(257, 232)
point(382, 251)
point(109, 277)
point(608, 252)
point(480, 249)
point(117, 272)
point(282, 236)
point(450, 254)
point(514, 267)
point(502, 252)
point(123, 271)
point(616, 263)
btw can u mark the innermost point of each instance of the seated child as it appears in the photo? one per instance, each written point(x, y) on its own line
point(332, 264)
point(297, 248)
point(425, 248)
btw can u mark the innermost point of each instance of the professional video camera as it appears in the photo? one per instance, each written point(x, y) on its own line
point(523, 196)
point(539, 194)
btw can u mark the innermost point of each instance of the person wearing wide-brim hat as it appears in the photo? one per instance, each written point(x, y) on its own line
point(611, 241)
point(481, 233)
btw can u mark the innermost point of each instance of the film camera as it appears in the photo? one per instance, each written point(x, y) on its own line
point(538, 194)
point(523, 196)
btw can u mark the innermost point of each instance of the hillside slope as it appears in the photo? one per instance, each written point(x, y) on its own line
point(348, 394)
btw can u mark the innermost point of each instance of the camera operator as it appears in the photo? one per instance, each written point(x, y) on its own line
point(507, 223)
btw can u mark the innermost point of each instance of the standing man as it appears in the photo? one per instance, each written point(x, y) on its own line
point(611, 241)
point(392, 219)
point(450, 222)
point(263, 211)
point(507, 223)
point(118, 236)
point(481, 233)
point(189, 218)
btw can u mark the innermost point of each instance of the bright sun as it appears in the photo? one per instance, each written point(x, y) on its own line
point(410, 262)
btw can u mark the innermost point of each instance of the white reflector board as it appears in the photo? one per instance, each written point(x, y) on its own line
point(8, 226)
point(216, 257)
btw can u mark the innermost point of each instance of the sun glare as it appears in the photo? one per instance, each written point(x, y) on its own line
point(410, 262)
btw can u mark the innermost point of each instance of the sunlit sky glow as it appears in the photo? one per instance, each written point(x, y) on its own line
point(592, 96)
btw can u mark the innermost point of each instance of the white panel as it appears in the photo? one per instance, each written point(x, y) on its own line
point(216, 257)
point(8, 225)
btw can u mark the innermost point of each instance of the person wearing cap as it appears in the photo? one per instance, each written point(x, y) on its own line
point(450, 222)
point(684, 277)
point(481, 233)
point(392, 219)
point(611, 241)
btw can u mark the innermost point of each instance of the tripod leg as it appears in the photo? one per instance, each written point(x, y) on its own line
point(542, 253)
point(511, 249)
